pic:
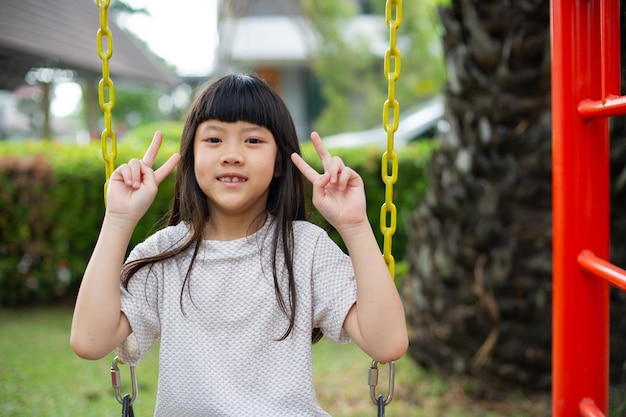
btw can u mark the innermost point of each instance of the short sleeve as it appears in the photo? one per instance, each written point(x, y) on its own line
point(333, 288)
point(140, 304)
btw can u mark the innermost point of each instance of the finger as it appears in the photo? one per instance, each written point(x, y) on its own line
point(153, 150)
point(345, 177)
point(321, 149)
point(309, 173)
point(335, 168)
point(135, 175)
point(123, 172)
point(165, 169)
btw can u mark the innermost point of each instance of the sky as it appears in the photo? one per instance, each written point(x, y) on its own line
point(183, 32)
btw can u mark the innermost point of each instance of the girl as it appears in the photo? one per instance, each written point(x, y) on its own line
point(237, 284)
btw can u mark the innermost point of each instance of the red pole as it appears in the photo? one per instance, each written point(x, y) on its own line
point(580, 157)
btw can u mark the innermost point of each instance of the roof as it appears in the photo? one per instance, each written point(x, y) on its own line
point(419, 121)
point(289, 39)
point(266, 39)
point(62, 34)
point(239, 8)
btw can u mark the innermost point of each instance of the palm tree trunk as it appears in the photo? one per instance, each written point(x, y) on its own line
point(478, 295)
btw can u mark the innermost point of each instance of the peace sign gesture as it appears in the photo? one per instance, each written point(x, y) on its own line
point(338, 193)
point(133, 185)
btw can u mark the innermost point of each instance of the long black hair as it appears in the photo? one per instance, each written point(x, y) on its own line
point(233, 98)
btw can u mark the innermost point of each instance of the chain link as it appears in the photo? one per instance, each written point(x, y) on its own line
point(391, 120)
point(106, 88)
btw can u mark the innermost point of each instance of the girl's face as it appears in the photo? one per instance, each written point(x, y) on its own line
point(234, 164)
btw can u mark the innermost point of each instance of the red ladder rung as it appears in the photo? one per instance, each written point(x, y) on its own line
point(589, 409)
point(603, 269)
point(610, 106)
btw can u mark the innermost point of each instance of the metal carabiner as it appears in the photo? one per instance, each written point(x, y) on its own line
point(116, 381)
point(373, 382)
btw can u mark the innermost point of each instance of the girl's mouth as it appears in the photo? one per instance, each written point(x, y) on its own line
point(231, 179)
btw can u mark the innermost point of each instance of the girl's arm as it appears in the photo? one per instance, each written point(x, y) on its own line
point(376, 322)
point(98, 325)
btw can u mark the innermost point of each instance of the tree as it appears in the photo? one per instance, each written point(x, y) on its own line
point(351, 72)
point(478, 295)
point(479, 249)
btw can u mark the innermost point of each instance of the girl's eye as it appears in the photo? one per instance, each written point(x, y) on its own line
point(213, 140)
point(253, 140)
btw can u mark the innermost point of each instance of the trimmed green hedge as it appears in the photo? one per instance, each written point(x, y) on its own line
point(51, 207)
point(408, 190)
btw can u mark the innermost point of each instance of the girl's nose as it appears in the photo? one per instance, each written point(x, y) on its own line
point(232, 156)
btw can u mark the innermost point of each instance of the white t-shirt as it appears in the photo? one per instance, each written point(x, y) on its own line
point(220, 354)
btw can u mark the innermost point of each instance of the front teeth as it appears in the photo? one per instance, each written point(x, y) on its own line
point(232, 179)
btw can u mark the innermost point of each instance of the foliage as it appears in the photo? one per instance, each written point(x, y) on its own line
point(353, 83)
point(348, 104)
point(51, 206)
point(419, 40)
point(122, 7)
point(141, 136)
point(137, 105)
point(408, 190)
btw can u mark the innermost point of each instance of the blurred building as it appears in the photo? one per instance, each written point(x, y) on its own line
point(274, 39)
point(42, 43)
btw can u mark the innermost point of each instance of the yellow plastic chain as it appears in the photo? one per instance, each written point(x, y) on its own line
point(108, 139)
point(109, 153)
point(388, 212)
point(393, 16)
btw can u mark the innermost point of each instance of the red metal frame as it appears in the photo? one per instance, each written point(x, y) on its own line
point(585, 92)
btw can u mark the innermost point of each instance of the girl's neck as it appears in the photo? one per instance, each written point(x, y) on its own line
point(220, 227)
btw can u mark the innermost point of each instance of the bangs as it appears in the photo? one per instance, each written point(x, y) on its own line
point(241, 98)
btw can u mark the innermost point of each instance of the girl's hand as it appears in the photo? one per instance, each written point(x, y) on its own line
point(338, 193)
point(133, 186)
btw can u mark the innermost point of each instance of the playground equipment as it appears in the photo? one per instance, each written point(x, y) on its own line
point(389, 174)
point(585, 93)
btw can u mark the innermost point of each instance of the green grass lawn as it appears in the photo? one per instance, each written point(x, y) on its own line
point(40, 376)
